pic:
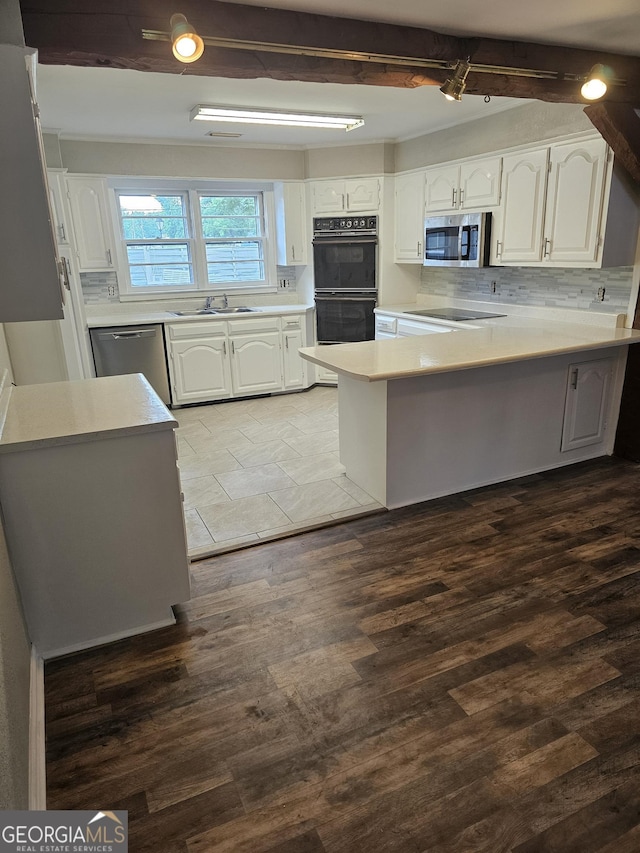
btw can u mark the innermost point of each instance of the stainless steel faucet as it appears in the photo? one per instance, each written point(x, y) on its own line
point(207, 303)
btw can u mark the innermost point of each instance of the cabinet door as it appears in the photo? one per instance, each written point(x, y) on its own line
point(441, 189)
point(363, 194)
point(574, 201)
point(409, 218)
point(519, 237)
point(480, 184)
point(291, 215)
point(292, 363)
point(199, 370)
point(328, 197)
point(585, 412)
point(256, 363)
point(89, 212)
point(29, 272)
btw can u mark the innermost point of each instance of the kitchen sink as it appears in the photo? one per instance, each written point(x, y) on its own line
point(198, 312)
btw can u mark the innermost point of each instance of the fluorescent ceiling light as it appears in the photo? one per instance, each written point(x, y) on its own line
point(247, 115)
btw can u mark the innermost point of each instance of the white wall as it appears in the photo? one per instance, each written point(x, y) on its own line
point(36, 351)
point(532, 122)
point(346, 160)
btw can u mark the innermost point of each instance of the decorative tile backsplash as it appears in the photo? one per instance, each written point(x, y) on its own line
point(562, 288)
point(101, 288)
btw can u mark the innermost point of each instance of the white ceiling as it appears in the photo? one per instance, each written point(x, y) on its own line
point(118, 104)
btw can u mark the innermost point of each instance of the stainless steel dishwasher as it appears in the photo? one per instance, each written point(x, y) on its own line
point(132, 349)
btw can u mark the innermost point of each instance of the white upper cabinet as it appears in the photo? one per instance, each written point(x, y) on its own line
point(29, 271)
point(518, 223)
point(574, 201)
point(90, 216)
point(564, 206)
point(468, 186)
point(291, 223)
point(409, 218)
point(352, 196)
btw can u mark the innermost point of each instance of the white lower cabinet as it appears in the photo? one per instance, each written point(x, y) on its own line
point(256, 363)
point(587, 403)
point(200, 370)
point(216, 359)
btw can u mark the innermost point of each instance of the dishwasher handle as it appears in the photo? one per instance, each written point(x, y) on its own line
point(132, 333)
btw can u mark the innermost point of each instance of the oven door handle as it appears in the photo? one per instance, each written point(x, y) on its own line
point(346, 299)
point(341, 241)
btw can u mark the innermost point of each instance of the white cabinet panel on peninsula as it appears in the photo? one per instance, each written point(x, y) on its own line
point(587, 403)
point(350, 196)
point(216, 359)
point(90, 217)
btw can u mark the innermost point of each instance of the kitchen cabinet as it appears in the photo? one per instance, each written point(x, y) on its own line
point(518, 223)
point(91, 466)
point(293, 366)
point(90, 218)
point(29, 269)
point(565, 206)
point(291, 224)
point(219, 359)
point(587, 403)
point(350, 196)
point(256, 359)
point(388, 326)
point(409, 218)
point(199, 366)
point(468, 186)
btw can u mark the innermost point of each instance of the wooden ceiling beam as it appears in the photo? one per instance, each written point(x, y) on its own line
point(71, 32)
point(619, 125)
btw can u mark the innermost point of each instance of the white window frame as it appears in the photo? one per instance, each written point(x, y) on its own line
point(192, 191)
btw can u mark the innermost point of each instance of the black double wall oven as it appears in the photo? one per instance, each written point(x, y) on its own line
point(344, 266)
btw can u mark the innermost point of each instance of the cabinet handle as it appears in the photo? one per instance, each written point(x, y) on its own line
point(461, 196)
point(293, 252)
point(419, 249)
point(574, 378)
point(224, 347)
point(343, 204)
point(62, 234)
point(498, 249)
point(453, 197)
point(233, 348)
point(286, 343)
point(109, 257)
point(547, 244)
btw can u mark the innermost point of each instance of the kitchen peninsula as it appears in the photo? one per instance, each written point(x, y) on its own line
point(432, 415)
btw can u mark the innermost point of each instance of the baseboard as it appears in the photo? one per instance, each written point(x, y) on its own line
point(110, 638)
point(37, 748)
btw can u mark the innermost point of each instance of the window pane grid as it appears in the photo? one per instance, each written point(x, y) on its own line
point(229, 237)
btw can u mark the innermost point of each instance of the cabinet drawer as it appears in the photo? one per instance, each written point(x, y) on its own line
point(253, 326)
point(205, 329)
point(413, 327)
point(290, 324)
point(386, 324)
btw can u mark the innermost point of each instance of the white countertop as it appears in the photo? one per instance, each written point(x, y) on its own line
point(476, 343)
point(67, 412)
point(133, 318)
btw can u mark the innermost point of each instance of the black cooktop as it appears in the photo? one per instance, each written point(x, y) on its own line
point(453, 314)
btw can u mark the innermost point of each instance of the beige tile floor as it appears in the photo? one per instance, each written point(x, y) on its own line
point(261, 468)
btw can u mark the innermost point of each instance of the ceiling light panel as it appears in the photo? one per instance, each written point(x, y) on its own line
point(247, 115)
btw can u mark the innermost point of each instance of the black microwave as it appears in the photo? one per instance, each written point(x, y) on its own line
point(459, 240)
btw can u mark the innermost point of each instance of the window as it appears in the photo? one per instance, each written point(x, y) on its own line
point(193, 238)
point(232, 230)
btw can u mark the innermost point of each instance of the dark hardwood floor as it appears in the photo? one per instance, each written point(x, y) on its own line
point(454, 677)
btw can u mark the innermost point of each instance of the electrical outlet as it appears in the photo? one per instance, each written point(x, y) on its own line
point(111, 290)
point(601, 292)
